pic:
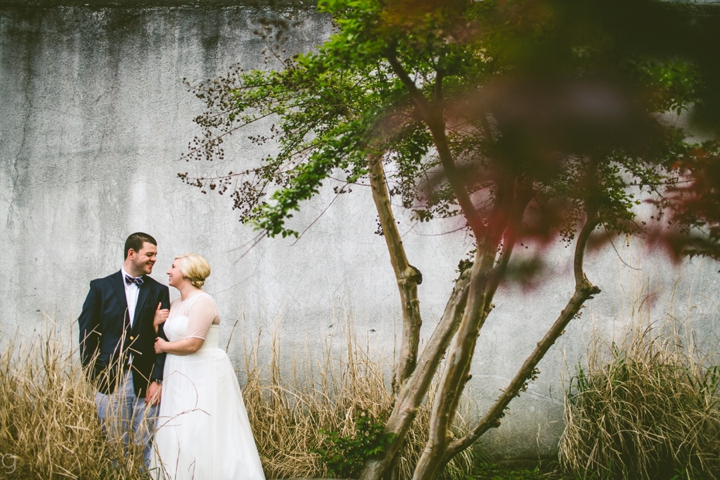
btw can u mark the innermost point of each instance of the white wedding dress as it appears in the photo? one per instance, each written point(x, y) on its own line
point(203, 431)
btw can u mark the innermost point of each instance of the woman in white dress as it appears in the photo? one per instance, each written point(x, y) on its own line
point(203, 431)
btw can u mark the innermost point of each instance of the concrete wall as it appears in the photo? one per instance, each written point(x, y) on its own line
point(93, 119)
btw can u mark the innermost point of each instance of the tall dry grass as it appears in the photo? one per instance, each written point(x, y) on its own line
point(644, 408)
point(49, 428)
point(289, 417)
point(48, 422)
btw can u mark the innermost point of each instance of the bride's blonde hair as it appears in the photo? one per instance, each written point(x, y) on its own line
point(194, 267)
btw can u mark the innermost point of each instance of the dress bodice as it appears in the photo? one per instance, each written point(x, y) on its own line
point(177, 329)
point(195, 317)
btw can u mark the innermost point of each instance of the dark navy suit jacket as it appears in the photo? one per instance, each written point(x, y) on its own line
point(106, 337)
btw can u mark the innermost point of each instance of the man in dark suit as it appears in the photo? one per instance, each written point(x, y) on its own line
point(117, 342)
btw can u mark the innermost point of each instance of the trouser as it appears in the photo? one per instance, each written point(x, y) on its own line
point(127, 418)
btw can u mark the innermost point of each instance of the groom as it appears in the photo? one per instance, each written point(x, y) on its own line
point(117, 342)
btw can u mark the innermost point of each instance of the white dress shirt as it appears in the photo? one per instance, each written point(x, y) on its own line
point(132, 291)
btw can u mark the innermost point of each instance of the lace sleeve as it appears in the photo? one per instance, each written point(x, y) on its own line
point(203, 313)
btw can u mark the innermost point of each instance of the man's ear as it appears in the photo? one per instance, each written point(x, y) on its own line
point(130, 253)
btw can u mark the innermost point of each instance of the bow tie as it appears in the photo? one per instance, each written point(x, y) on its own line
point(136, 280)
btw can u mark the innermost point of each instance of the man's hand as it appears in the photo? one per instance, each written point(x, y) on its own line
point(161, 314)
point(154, 393)
point(159, 344)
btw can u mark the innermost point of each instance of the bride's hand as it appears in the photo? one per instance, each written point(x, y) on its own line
point(161, 314)
point(159, 344)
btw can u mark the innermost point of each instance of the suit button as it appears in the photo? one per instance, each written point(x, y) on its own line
point(132, 338)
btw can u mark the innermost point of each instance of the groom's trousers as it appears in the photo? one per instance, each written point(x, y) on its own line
point(127, 418)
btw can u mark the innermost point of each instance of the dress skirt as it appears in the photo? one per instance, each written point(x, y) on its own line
point(203, 431)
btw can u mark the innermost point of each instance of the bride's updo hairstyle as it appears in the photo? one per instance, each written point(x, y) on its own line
point(194, 268)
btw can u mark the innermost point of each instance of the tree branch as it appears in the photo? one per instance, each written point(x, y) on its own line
point(433, 117)
point(485, 279)
point(584, 291)
point(407, 276)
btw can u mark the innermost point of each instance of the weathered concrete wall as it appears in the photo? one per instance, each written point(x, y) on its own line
point(93, 119)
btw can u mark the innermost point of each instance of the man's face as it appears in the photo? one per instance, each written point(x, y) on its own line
point(143, 261)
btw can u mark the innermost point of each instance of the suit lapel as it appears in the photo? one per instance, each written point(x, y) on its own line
point(142, 296)
point(117, 283)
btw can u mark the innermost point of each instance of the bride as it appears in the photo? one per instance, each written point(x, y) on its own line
point(203, 430)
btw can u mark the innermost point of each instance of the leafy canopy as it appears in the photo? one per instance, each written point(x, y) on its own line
point(540, 92)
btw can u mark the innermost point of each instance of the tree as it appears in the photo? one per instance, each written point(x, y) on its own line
point(528, 119)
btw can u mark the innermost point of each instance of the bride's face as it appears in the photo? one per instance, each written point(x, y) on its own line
point(175, 276)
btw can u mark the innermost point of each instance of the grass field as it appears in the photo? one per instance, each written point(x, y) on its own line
point(646, 407)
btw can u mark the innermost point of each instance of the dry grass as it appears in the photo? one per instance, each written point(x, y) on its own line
point(48, 423)
point(287, 419)
point(49, 428)
point(646, 408)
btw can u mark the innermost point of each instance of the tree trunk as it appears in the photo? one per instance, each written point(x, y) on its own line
point(457, 369)
point(407, 276)
point(485, 277)
point(415, 388)
point(487, 272)
point(430, 467)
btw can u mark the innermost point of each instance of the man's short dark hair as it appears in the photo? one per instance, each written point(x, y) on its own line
point(136, 240)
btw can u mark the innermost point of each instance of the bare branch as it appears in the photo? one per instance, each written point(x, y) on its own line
point(584, 291)
point(435, 122)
